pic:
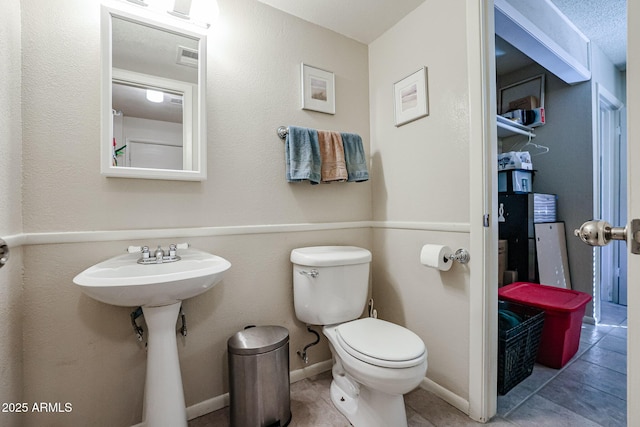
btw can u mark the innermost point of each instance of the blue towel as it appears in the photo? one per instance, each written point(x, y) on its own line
point(355, 157)
point(302, 155)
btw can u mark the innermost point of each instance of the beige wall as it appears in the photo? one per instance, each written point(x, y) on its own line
point(83, 352)
point(80, 351)
point(253, 87)
point(10, 209)
point(421, 177)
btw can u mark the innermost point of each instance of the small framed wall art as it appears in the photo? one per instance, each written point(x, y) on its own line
point(411, 98)
point(525, 95)
point(318, 90)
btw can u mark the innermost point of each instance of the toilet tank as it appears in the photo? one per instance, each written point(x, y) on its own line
point(330, 283)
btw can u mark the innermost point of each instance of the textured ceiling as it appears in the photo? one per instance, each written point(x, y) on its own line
point(604, 22)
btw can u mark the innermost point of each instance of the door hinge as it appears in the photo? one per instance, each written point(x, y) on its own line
point(485, 220)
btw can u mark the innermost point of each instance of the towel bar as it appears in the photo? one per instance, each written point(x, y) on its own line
point(283, 131)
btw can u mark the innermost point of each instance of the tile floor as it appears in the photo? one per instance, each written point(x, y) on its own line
point(590, 391)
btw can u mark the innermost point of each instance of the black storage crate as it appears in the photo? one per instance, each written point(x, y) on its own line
point(518, 346)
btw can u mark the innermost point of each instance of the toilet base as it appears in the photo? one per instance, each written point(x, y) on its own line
point(369, 408)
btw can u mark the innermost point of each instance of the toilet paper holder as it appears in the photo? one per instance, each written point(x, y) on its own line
point(461, 255)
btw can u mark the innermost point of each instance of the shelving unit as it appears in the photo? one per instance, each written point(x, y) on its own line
point(508, 127)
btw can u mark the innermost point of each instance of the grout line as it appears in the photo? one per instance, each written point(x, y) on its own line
point(594, 386)
point(571, 362)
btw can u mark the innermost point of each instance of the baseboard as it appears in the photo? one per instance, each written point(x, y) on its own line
point(207, 406)
point(310, 371)
point(215, 403)
point(446, 395)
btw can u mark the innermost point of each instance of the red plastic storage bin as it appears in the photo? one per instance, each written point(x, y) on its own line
point(564, 310)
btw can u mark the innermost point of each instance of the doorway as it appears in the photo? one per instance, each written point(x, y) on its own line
point(600, 396)
point(612, 201)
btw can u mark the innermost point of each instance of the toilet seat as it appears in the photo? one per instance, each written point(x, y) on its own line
point(381, 343)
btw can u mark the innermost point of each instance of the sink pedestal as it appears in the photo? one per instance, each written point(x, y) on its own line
point(163, 394)
point(159, 289)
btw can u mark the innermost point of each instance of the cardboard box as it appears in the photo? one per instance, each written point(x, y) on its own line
point(502, 260)
point(526, 103)
point(510, 276)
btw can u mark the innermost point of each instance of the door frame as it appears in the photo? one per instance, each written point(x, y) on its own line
point(483, 164)
point(482, 397)
point(633, 210)
point(605, 184)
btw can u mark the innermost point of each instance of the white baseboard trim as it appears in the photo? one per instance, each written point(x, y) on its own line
point(207, 406)
point(446, 395)
point(215, 403)
point(310, 371)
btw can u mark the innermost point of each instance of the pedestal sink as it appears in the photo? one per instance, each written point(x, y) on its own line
point(159, 289)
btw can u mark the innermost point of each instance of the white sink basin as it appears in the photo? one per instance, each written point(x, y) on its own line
point(159, 289)
point(122, 281)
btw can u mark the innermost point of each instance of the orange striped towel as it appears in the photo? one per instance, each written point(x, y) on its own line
point(334, 167)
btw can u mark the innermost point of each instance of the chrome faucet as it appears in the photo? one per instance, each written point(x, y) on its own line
point(159, 256)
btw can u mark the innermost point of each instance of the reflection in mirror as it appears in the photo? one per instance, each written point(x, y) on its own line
point(140, 110)
point(153, 106)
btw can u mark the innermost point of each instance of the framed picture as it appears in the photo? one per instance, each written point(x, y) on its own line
point(411, 98)
point(318, 90)
point(526, 94)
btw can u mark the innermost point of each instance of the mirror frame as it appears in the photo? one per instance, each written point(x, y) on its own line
point(197, 145)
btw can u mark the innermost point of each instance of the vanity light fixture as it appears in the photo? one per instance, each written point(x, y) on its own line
point(155, 96)
point(181, 9)
point(154, 4)
point(199, 12)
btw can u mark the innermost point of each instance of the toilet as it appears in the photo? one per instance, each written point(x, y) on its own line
point(375, 362)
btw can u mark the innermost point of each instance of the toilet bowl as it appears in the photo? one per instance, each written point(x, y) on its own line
point(375, 362)
point(371, 374)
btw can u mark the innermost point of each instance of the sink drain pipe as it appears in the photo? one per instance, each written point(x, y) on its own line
point(183, 318)
point(137, 329)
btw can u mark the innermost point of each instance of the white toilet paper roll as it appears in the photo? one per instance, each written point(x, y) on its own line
point(434, 256)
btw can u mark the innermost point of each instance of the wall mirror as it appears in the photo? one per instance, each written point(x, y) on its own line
point(153, 96)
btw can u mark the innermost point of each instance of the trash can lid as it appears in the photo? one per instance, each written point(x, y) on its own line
point(258, 339)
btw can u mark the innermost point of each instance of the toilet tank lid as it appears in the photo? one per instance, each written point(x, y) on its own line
point(328, 256)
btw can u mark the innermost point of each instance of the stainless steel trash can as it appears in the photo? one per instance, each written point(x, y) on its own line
point(259, 391)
